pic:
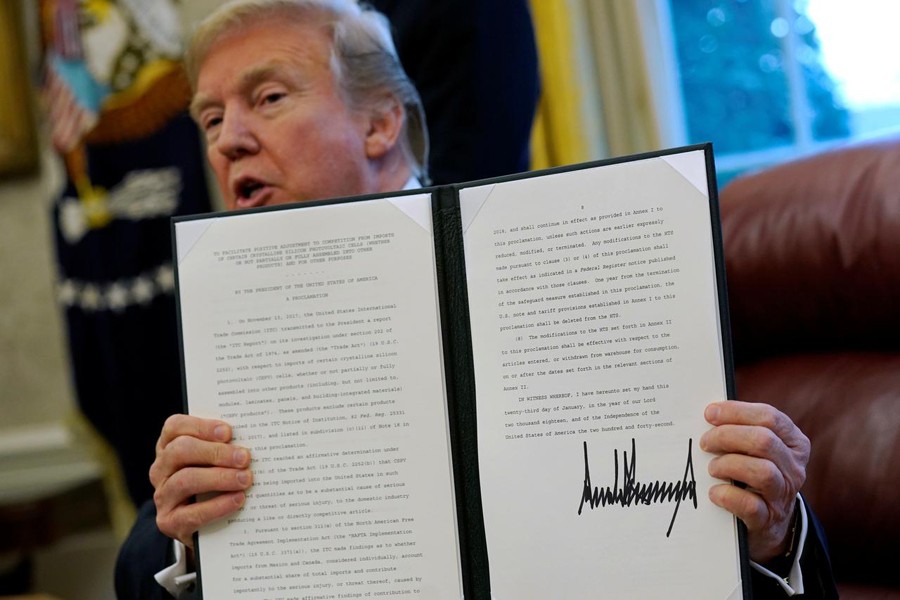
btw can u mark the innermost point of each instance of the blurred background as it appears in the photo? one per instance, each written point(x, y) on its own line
point(96, 155)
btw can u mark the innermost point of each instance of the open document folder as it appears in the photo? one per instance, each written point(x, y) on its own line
point(491, 389)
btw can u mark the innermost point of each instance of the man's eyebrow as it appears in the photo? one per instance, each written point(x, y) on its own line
point(256, 74)
point(249, 79)
point(198, 104)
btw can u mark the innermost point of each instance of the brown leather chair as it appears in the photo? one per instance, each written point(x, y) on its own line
point(812, 251)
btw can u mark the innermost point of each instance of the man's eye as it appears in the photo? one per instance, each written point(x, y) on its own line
point(211, 122)
point(272, 97)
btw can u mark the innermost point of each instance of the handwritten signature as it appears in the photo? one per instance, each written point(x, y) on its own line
point(634, 492)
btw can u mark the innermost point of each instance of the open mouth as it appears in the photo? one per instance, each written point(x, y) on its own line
point(248, 191)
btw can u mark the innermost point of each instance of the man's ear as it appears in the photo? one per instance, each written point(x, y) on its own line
point(385, 127)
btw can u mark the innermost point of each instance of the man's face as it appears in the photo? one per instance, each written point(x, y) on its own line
point(277, 127)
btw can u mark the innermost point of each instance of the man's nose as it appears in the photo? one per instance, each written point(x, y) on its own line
point(236, 136)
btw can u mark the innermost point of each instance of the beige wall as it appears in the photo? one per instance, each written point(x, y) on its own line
point(34, 371)
point(34, 368)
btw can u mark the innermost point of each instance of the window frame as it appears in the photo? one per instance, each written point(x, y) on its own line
point(658, 41)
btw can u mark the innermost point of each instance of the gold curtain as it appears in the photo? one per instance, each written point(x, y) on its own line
point(18, 138)
point(596, 95)
point(558, 137)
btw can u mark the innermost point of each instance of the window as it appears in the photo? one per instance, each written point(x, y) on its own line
point(768, 80)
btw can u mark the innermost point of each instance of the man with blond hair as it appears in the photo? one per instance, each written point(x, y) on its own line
point(305, 99)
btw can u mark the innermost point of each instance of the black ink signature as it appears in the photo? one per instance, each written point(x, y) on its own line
point(634, 492)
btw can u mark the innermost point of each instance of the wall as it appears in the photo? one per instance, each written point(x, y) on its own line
point(34, 371)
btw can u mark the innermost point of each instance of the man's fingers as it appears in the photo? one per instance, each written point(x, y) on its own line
point(744, 504)
point(194, 457)
point(757, 457)
point(178, 518)
point(744, 439)
point(759, 474)
point(763, 448)
point(186, 425)
point(768, 526)
point(188, 518)
point(186, 451)
point(759, 431)
point(757, 414)
point(189, 482)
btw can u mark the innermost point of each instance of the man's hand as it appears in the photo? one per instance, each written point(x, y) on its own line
point(760, 446)
point(193, 456)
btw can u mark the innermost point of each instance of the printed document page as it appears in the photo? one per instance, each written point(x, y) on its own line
point(315, 333)
point(597, 346)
